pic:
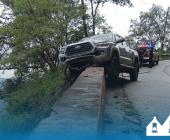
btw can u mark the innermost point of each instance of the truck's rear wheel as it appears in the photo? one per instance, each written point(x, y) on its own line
point(113, 69)
point(157, 61)
point(151, 63)
point(134, 73)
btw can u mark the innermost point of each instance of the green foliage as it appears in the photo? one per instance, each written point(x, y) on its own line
point(8, 86)
point(32, 100)
point(94, 18)
point(150, 25)
point(165, 57)
point(35, 34)
point(131, 42)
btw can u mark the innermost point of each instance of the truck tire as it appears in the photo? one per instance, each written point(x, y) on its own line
point(113, 69)
point(157, 61)
point(134, 73)
point(151, 63)
point(71, 73)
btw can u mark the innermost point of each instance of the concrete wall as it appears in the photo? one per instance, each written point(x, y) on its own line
point(79, 110)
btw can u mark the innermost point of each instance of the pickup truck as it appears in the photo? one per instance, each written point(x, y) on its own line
point(110, 51)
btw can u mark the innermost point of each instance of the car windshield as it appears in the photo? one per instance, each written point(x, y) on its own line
point(101, 38)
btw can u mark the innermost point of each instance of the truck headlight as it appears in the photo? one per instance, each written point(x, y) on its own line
point(62, 50)
point(63, 59)
point(99, 52)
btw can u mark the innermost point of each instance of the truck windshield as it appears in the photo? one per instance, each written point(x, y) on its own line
point(101, 38)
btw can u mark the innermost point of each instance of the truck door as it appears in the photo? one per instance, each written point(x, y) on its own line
point(128, 53)
point(122, 50)
point(122, 53)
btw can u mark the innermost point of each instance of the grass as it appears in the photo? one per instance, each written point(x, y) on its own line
point(165, 57)
point(32, 101)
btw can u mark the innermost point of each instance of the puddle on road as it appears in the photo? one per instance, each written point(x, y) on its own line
point(120, 114)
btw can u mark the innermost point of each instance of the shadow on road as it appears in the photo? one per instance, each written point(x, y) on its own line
point(117, 83)
point(120, 113)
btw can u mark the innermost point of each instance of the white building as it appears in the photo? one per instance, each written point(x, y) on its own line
point(154, 128)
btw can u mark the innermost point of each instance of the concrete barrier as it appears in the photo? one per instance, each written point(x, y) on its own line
point(101, 106)
point(79, 110)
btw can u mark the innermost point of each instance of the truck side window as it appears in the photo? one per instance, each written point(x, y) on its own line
point(117, 37)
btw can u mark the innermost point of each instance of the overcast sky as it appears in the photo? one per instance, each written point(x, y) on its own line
point(119, 17)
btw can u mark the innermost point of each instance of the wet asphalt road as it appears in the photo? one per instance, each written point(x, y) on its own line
point(130, 106)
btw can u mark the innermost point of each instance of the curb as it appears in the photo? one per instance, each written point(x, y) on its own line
point(101, 107)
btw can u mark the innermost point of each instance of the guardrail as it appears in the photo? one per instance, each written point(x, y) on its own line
point(102, 107)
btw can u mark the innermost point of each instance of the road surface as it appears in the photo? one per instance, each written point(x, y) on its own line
point(130, 106)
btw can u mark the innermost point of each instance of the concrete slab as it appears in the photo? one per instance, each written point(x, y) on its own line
point(78, 109)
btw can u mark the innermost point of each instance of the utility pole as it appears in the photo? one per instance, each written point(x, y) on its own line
point(164, 30)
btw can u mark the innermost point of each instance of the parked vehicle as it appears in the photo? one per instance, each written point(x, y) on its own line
point(108, 50)
point(148, 55)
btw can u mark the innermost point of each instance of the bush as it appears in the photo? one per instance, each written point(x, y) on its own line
point(165, 57)
point(9, 85)
point(32, 100)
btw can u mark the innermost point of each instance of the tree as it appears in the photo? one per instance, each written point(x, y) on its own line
point(36, 29)
point(165, 35)
point(31, 41)
point(131, 42)
point(84, 18)
point(150, 25)
point(94, 7)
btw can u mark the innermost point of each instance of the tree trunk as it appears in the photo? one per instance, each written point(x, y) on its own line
point(164, 31)
point(93, 17)
point(84, 19)
point(94, 24)
point(94, 9)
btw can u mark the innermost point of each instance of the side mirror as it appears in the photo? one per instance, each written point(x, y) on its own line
point(120, 40)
